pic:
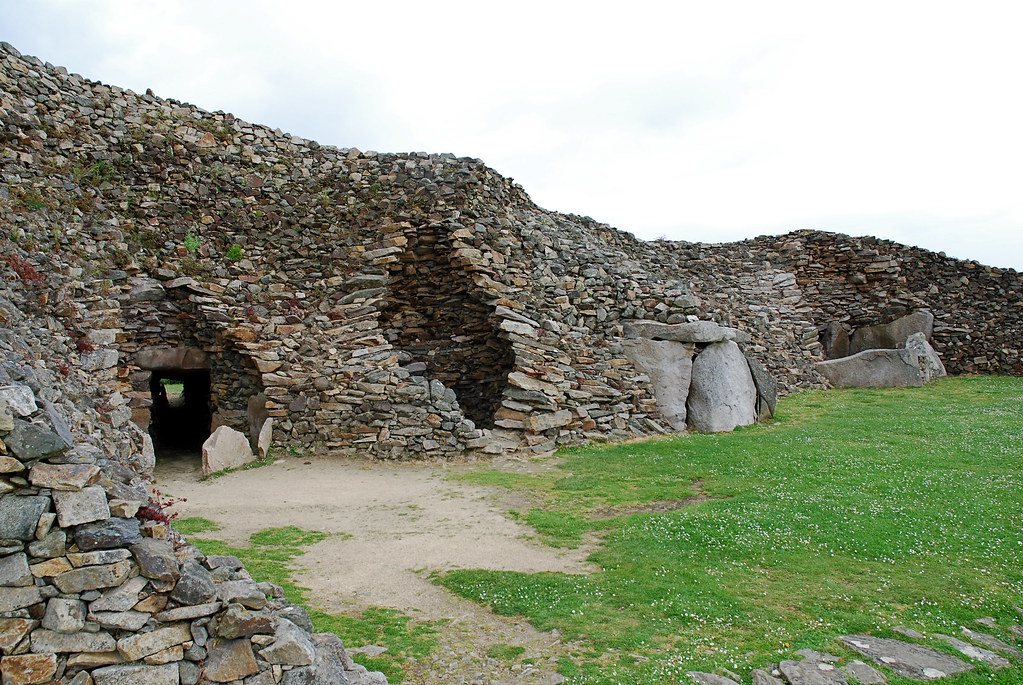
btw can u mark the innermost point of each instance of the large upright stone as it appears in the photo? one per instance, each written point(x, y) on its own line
point(767, 390)
point(889, 336)
point(669, 365)
point(225, 449)
point(927, 359)
point(722, 394)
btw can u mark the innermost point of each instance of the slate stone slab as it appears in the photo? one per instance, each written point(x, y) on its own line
point(28, 442)
point(979, 653)
point(864, 674)
point(195, 586)
point(811, 673)
point(19, 516)
point(82, 506)
point(12, 598)
point(136, 674)
point(992, 642)
point(156, 559)
point(108, 534)
point(761, 677)
point(906, 659)
point(874, 368)
point(229, 660)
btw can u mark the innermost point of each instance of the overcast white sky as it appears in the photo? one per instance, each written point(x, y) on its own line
point(701, 121)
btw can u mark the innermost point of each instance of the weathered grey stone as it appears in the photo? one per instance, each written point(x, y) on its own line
point(14, 570)
point(225, 448)
point(63, 476)
point(908, 632)
point(121, 598)
point(97, 360)
point(264, 438)
point(669, 365)
point(156, 559)
point(146, 290)
point(992, 642)
point(28, 442)
point(927, 359)
point(891, 335)
point(13, 631)
point(187, 613)
point(6, 418)
point(44, 641)
point(761, 677)
point(906, 659)
point(19, 399)
point(29, 669)
point(134, 647)
point(690, 332)
point(979, 653)
point(82, 506)
point(19, 516)
point(722, 394)
point(13, 598)
point(888, 368)
point(215, 561)
point(108, 534)
point(293, 647)
point(92, 577)
point(229, 660)
point(10, 465)
point(244, 592)
point(101, 556)
point(296, 615)
point(57, 423)
point(811, 673)
point(195, 586)
point(329, 667)
point(709, 678)
point(239, 621)
point(834, 339)
point(64, 615)
point(864, 674)
point(136, 674)
point(173, 359)
point(767, 390)
point(119, 620)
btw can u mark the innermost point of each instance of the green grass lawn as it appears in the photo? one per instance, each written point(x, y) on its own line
point(857, 511)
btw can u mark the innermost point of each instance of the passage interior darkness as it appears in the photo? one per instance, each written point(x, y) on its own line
point(435, 316)
point(180, 419)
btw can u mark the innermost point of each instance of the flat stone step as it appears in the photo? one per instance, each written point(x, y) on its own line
point(906, 659)
point(979, 653)
point(992, 642)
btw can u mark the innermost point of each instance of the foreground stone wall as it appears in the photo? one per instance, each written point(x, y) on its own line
point(406, 305)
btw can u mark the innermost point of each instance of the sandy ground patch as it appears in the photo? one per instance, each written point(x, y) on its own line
point(405, 521)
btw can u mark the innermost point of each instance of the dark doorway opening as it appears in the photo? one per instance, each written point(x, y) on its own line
point(180, 415)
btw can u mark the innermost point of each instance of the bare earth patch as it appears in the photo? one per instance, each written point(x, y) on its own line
point(404, 522)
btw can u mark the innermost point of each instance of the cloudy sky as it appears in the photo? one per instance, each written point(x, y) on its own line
point(701, 121)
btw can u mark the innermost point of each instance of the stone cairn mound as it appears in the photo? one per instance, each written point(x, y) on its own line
point(906, 659)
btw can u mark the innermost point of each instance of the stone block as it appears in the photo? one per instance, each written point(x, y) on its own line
point(892, 335)
point(28, 669)
point(20, 399)
point(108, 534)
point(44, 641)
point(29, 442)
point(229, 660)
point(82, 506)
point(92, 578)
point(136, 674)
point(20, 515)
point(722, 394)
point(874, 368)
point(669, 365)
point(226, 448)
point(63, 476)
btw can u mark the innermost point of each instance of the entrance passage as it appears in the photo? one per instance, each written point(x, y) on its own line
point(436, 317)
point(180, 415)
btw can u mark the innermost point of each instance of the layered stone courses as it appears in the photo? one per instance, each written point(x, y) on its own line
point(410, 305)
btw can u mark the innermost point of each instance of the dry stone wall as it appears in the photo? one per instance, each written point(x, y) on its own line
point(407, 305)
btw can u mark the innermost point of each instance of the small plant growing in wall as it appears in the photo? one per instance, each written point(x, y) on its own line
point(235, 253)
point(192, 242)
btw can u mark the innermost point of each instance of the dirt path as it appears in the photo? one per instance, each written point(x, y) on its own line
point(405, 521)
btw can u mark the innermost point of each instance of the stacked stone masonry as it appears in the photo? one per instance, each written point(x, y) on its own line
point(410, 305)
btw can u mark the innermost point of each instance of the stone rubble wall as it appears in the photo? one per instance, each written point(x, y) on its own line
point(95, 587)
point(307, 273)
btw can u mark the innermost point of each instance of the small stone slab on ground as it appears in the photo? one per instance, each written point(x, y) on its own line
point(864, 674)
point(811, 673)
point(992, 642)
point(979, 653)
point(710, 678)
point(906, 659)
